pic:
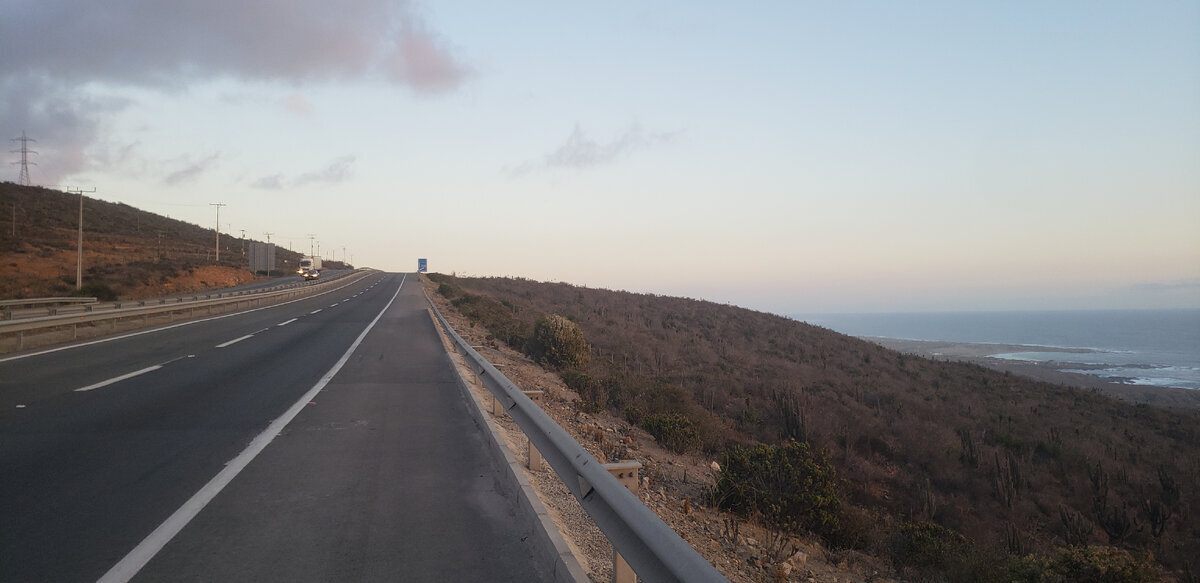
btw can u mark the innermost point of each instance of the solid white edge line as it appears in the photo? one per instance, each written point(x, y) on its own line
point(234, 341)
point(119, 379)
point(287, 322)
point(133, 562)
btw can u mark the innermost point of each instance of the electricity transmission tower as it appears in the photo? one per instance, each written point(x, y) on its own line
point(24, 151)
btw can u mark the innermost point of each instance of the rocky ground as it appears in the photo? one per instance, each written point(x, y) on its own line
point(673, 486)
point(31, 272)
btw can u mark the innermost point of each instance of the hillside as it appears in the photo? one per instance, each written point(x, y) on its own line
point(133, 253)
point(1031, 475)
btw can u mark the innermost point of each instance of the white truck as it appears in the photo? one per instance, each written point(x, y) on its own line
point(310, 267)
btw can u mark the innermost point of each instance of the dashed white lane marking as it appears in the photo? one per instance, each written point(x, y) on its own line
point(288, 322)
point(119, 379)
point(129, 566)
point(314, 311)
point(234, 341)
point(162, 328)
point(333, 305)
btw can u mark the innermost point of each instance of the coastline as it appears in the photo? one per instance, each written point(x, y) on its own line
point(1047, 371)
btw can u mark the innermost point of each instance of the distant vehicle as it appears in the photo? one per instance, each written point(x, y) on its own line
point(310, 274)
point(309, 264)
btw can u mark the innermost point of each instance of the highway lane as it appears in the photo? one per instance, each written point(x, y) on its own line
point(88, 473)
point(384, 477)
point(35, 375)
point(100, 444)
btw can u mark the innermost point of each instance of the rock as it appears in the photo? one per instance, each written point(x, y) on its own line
point(781, 572)
point(798, 559)
point(715, 466)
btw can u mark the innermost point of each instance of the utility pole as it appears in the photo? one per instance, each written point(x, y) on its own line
point(268, 237)
point(243, 242)
point(79, 265)
point(311, 237)
point(218, 205)
point(24, 151)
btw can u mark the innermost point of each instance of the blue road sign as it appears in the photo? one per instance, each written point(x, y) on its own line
point(422, 265)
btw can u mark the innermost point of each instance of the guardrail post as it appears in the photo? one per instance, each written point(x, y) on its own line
point(627, 474)
point(535, 456)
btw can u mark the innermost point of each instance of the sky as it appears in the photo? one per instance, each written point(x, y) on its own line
point(792, 157)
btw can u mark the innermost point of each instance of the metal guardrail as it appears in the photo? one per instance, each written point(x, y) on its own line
point(652, 548)
point(144, 309)
point(44, 301)
point(10, 307)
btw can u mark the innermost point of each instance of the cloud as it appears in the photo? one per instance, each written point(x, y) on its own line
point(336, 172)
point(422, 60)
point(52, 48)
point(297, 104)
point(581, 151)
point(272, 182)
point(62, 121)
point(190, 170)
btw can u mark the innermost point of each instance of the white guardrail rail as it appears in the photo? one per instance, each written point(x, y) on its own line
point(94, 319)
point(652, 549)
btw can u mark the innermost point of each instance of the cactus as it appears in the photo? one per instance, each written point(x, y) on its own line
point(1076, 529)
point(1008, 479)
point(970, 455)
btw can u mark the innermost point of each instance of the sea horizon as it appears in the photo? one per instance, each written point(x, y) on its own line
point(1159, 347)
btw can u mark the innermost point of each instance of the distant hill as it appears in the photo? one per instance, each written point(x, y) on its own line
point(132, 252)
point(1020, 467)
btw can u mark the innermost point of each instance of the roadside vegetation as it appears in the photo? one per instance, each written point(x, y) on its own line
point(949, 471)
point(128, 253)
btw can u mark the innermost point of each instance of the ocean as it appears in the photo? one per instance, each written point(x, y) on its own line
point(1142, 347)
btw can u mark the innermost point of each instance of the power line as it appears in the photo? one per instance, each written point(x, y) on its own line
point(24, 150)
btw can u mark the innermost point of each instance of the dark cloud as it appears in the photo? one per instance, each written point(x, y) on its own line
point(52, 47)
point(583, 151)
point(63, 122)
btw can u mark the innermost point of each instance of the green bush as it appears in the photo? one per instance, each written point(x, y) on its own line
point(673, 430)
point(592, 396)
point(448, 291)
point(100, 291)
point(495, 317)
point(791, 486)
point(928, 548)
point(1096, 564)
point(559, 342)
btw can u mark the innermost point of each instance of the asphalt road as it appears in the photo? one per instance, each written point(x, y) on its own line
point(122, 457)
